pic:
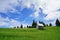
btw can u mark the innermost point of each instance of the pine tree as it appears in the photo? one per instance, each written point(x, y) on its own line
point(50, 24)
point(14, 27)
point(17, 26)
point(57, 23)
point(27, 26)
point(21, 26)
point(46, 25)
point(34, 24)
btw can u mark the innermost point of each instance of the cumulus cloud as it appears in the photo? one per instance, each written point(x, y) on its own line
point(35, 14)
point(49, 7)
point(6, 22)
point(4, 4)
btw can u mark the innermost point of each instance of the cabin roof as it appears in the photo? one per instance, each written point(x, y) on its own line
point(40, 25)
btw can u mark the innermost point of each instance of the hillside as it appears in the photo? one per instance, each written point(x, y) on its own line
point(50, 33)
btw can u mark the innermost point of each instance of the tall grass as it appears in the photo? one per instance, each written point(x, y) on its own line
point(50, 33)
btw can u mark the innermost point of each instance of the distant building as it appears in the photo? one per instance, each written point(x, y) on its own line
point(40, 26)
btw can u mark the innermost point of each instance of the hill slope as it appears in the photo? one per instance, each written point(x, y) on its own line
point(50, 33)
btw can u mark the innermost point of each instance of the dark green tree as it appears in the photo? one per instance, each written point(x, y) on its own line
point(14, 27)
point(57, 23)
point(17, 26)
point(46, 25)
point(27, 26)
point(21, 26)
point(50, 24)
point(34, 24)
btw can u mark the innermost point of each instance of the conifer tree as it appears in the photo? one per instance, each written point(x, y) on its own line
point(57, 23)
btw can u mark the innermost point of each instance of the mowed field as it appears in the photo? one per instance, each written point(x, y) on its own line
point(50, 33)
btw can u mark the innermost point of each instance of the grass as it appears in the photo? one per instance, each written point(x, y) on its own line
point(50, 33)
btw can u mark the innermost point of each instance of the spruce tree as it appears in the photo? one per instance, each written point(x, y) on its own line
point(21, 26)
point(27, 26)
point(34, 24)
point(57, 23)
point(17, 26)
point(50, 24)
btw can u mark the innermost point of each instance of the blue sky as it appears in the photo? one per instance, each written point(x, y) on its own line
point(17, 12)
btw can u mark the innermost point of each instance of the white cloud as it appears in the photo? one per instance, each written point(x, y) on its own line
point(35, 14)
point(8, 5)
point(8, 23)
point(49, 7)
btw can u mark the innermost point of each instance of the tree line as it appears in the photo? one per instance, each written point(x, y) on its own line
point(34, 24)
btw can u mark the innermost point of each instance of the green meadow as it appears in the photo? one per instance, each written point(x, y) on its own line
point(50, 33)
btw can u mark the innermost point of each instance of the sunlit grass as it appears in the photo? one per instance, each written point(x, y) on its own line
point(50, 33)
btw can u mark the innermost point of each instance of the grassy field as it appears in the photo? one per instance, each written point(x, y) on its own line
point(50, 33)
